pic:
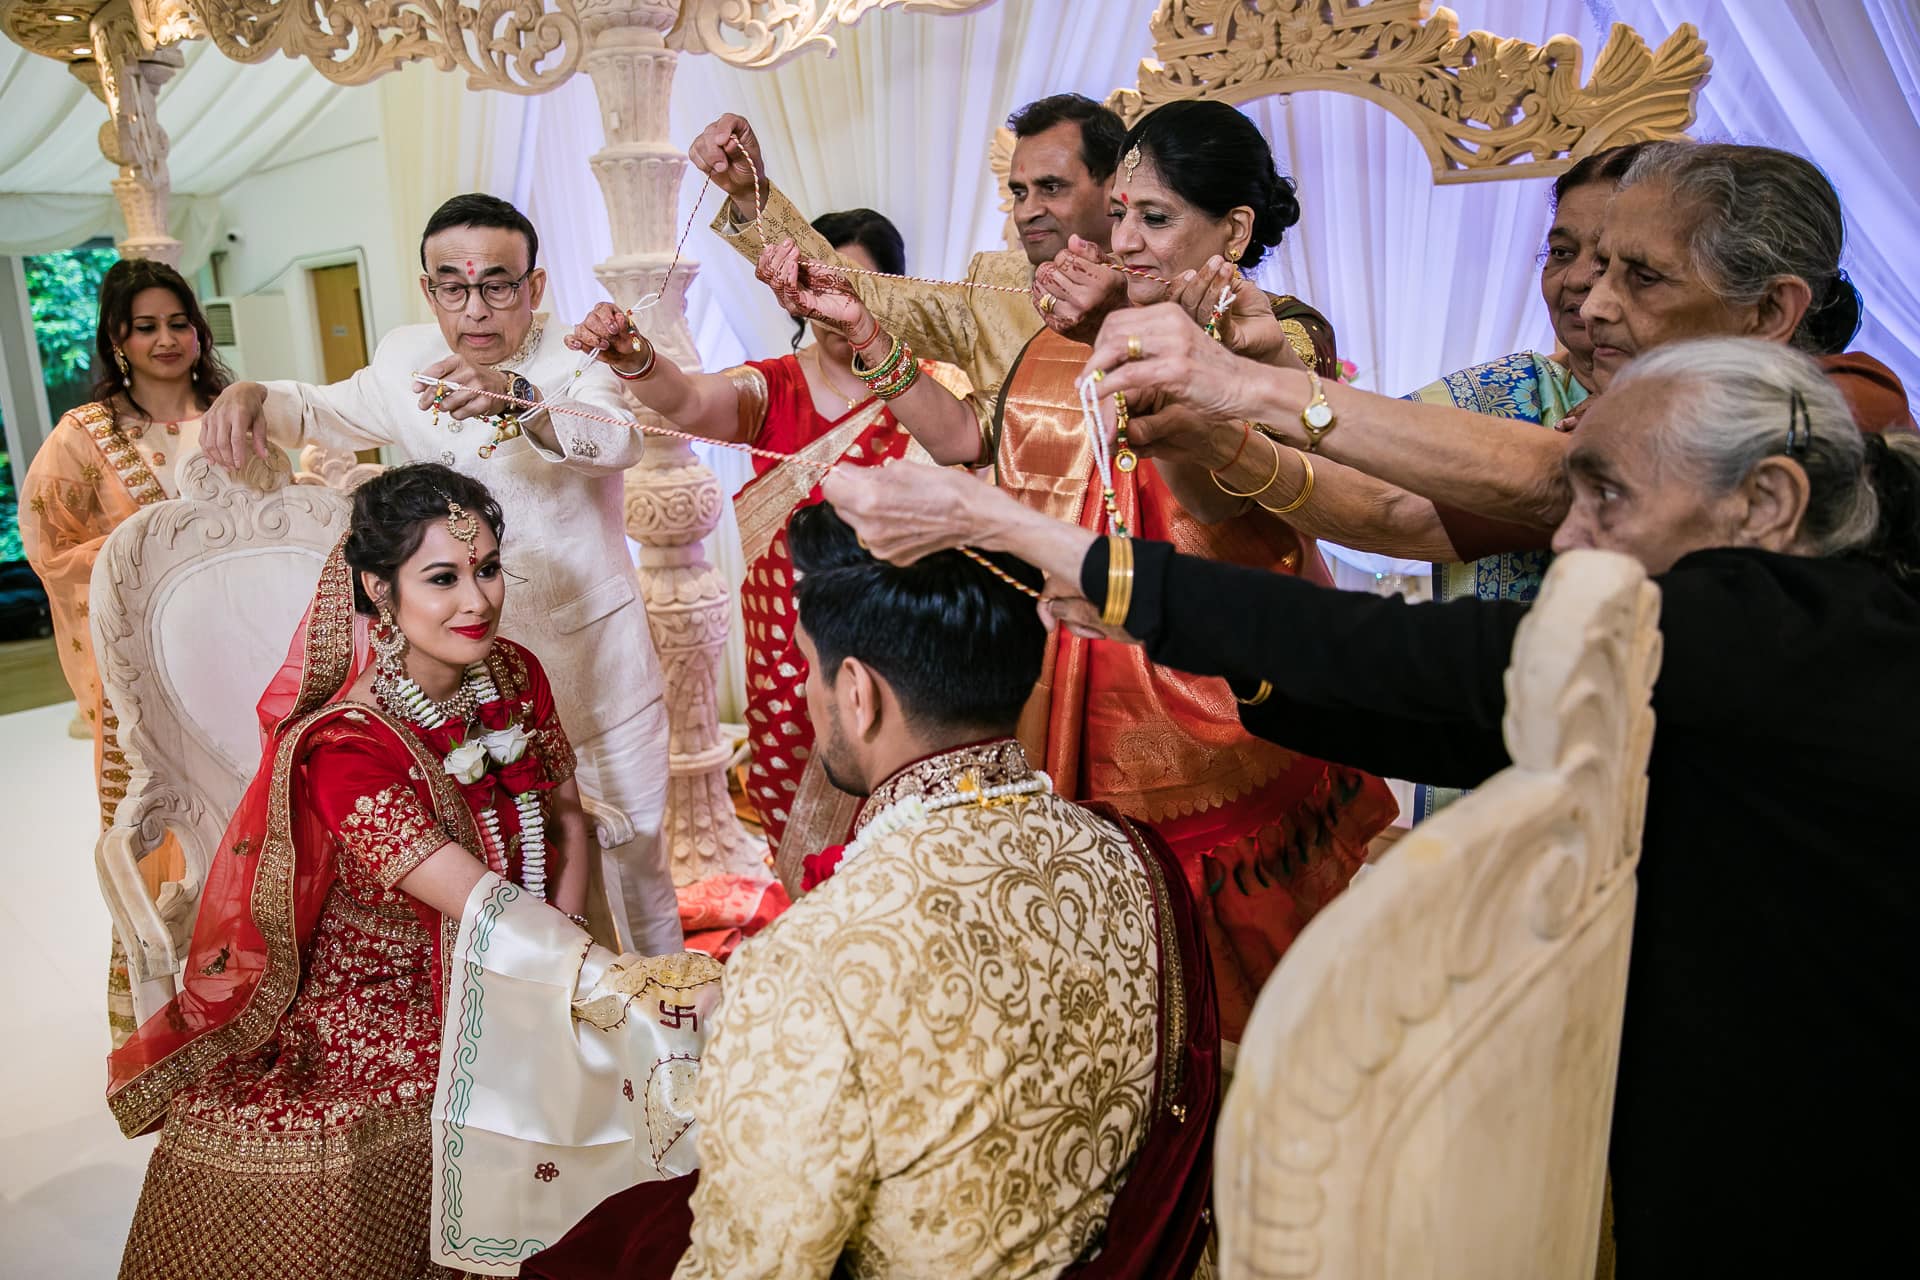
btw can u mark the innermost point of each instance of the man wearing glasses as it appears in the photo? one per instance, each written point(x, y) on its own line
point(557, 476)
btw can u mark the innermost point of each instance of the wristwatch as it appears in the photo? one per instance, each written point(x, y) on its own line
point(1317, 418)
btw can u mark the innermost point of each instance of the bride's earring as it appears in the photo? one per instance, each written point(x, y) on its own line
point(389, 646)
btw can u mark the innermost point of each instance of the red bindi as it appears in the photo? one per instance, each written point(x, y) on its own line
point(469, 268)
point(1123, 198)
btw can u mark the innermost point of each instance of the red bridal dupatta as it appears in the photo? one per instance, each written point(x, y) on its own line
point(267, 881)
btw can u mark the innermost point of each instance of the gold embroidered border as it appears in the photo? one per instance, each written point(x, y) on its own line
point(323, 1150)
point(819, 815)
point(1173, 981)
point(763, 507)
point(119, 452)
point(329, 648)
point(397, 923)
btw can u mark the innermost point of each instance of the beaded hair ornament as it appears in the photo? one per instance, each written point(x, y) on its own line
point(462, 524)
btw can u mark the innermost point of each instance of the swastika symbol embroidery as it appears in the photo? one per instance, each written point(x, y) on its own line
point(676, 1016)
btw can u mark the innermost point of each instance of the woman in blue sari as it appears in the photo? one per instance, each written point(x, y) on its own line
point(1528, 386)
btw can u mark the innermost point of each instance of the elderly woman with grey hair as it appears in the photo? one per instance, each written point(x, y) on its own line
point(1699, 240)
point(1765, 1103)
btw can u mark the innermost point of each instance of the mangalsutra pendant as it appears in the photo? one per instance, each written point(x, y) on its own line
point(1124, 458)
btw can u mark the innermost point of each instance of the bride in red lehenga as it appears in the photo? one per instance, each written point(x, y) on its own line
point(292, 1079)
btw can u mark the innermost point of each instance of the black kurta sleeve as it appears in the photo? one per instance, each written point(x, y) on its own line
point(1414, 691)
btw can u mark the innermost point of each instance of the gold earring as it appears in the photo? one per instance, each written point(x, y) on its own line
point(120, 358)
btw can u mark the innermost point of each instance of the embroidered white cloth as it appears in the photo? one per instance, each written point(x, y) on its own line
point(566, 1074)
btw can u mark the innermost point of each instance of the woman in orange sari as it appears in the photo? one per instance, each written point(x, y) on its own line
point(1267, 836)
point(293, 1077)
point(154, 373)
point(855, 396)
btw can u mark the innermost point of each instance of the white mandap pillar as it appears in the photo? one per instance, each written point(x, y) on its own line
point(673, 500)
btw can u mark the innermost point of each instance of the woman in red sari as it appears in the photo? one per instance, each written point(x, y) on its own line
point(835, 401)
point(293, 1077)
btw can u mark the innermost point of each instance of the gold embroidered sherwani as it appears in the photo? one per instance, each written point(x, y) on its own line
point(979, 330)
point(940, 1061)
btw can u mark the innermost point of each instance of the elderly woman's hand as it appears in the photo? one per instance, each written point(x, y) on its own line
point(1156, 355)
point(810, 292)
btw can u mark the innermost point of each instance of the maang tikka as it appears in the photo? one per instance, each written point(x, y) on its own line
point(463, 525)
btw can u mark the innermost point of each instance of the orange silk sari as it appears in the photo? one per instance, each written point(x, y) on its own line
point(1265, 836)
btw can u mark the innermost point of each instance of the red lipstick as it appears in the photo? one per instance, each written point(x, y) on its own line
point(478, 631)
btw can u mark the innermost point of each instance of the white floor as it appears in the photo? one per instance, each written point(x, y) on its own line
point(68, 1180)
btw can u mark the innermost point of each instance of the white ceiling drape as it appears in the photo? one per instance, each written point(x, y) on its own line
point(225, 121)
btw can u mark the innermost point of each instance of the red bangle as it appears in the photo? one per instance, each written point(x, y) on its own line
point(871, 338)
point(1247, 429)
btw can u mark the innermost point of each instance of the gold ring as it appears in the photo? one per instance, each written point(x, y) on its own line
point(1046, 303)
point(1134, 350)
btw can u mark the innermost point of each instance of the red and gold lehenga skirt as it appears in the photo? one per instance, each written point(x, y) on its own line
point(1266, 837)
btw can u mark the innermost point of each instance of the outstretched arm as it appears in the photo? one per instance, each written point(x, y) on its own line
point(937, 320)
point(705, 404)
point(944, 425)
point(1449, 456)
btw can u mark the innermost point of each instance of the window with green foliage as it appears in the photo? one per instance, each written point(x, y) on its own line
point(64, 291)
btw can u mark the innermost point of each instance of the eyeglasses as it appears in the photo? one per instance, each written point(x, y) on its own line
point(451, 295)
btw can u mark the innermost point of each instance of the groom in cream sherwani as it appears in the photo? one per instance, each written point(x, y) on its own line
point(576, 602)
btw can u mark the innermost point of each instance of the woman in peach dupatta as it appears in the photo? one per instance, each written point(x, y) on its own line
point(155, 372)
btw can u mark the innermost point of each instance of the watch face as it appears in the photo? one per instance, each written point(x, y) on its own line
point(1318, 415)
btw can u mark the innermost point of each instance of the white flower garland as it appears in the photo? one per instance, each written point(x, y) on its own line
point(476, 691)
point(908, 810)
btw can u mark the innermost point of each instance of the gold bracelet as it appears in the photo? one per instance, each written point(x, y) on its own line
point(1251, 492)
point(1300, 499)
point(1119, 582)
point(1317, 418)
point(1260, 695)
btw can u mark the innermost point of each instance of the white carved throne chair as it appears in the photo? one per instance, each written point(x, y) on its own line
point(1425, 1087)
point(194, 603)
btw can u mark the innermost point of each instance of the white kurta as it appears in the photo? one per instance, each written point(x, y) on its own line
point(574, 598)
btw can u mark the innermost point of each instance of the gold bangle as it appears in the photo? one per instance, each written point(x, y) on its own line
point(1251, 492)
point(1300, 499)
point(1260, 695)
point(1119, 582)
point(1317, 418)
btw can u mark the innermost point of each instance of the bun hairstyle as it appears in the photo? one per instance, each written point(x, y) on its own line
point(391, 513)
point(1893, 465)
point(1217, 160)
point(1760, 213)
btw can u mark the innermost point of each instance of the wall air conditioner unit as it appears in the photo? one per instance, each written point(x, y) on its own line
point(226, 337)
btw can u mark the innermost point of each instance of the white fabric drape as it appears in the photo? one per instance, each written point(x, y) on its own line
point(443, 140)
point(224, 120)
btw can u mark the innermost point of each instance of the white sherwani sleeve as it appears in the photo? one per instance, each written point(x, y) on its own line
point(786, 1141)
point(350, 414)
point(587, 443)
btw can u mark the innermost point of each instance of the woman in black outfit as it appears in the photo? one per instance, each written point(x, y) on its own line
point(1765, 1113)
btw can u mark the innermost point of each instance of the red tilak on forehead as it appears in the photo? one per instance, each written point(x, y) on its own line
point(1123, 198)
point(469, 268)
